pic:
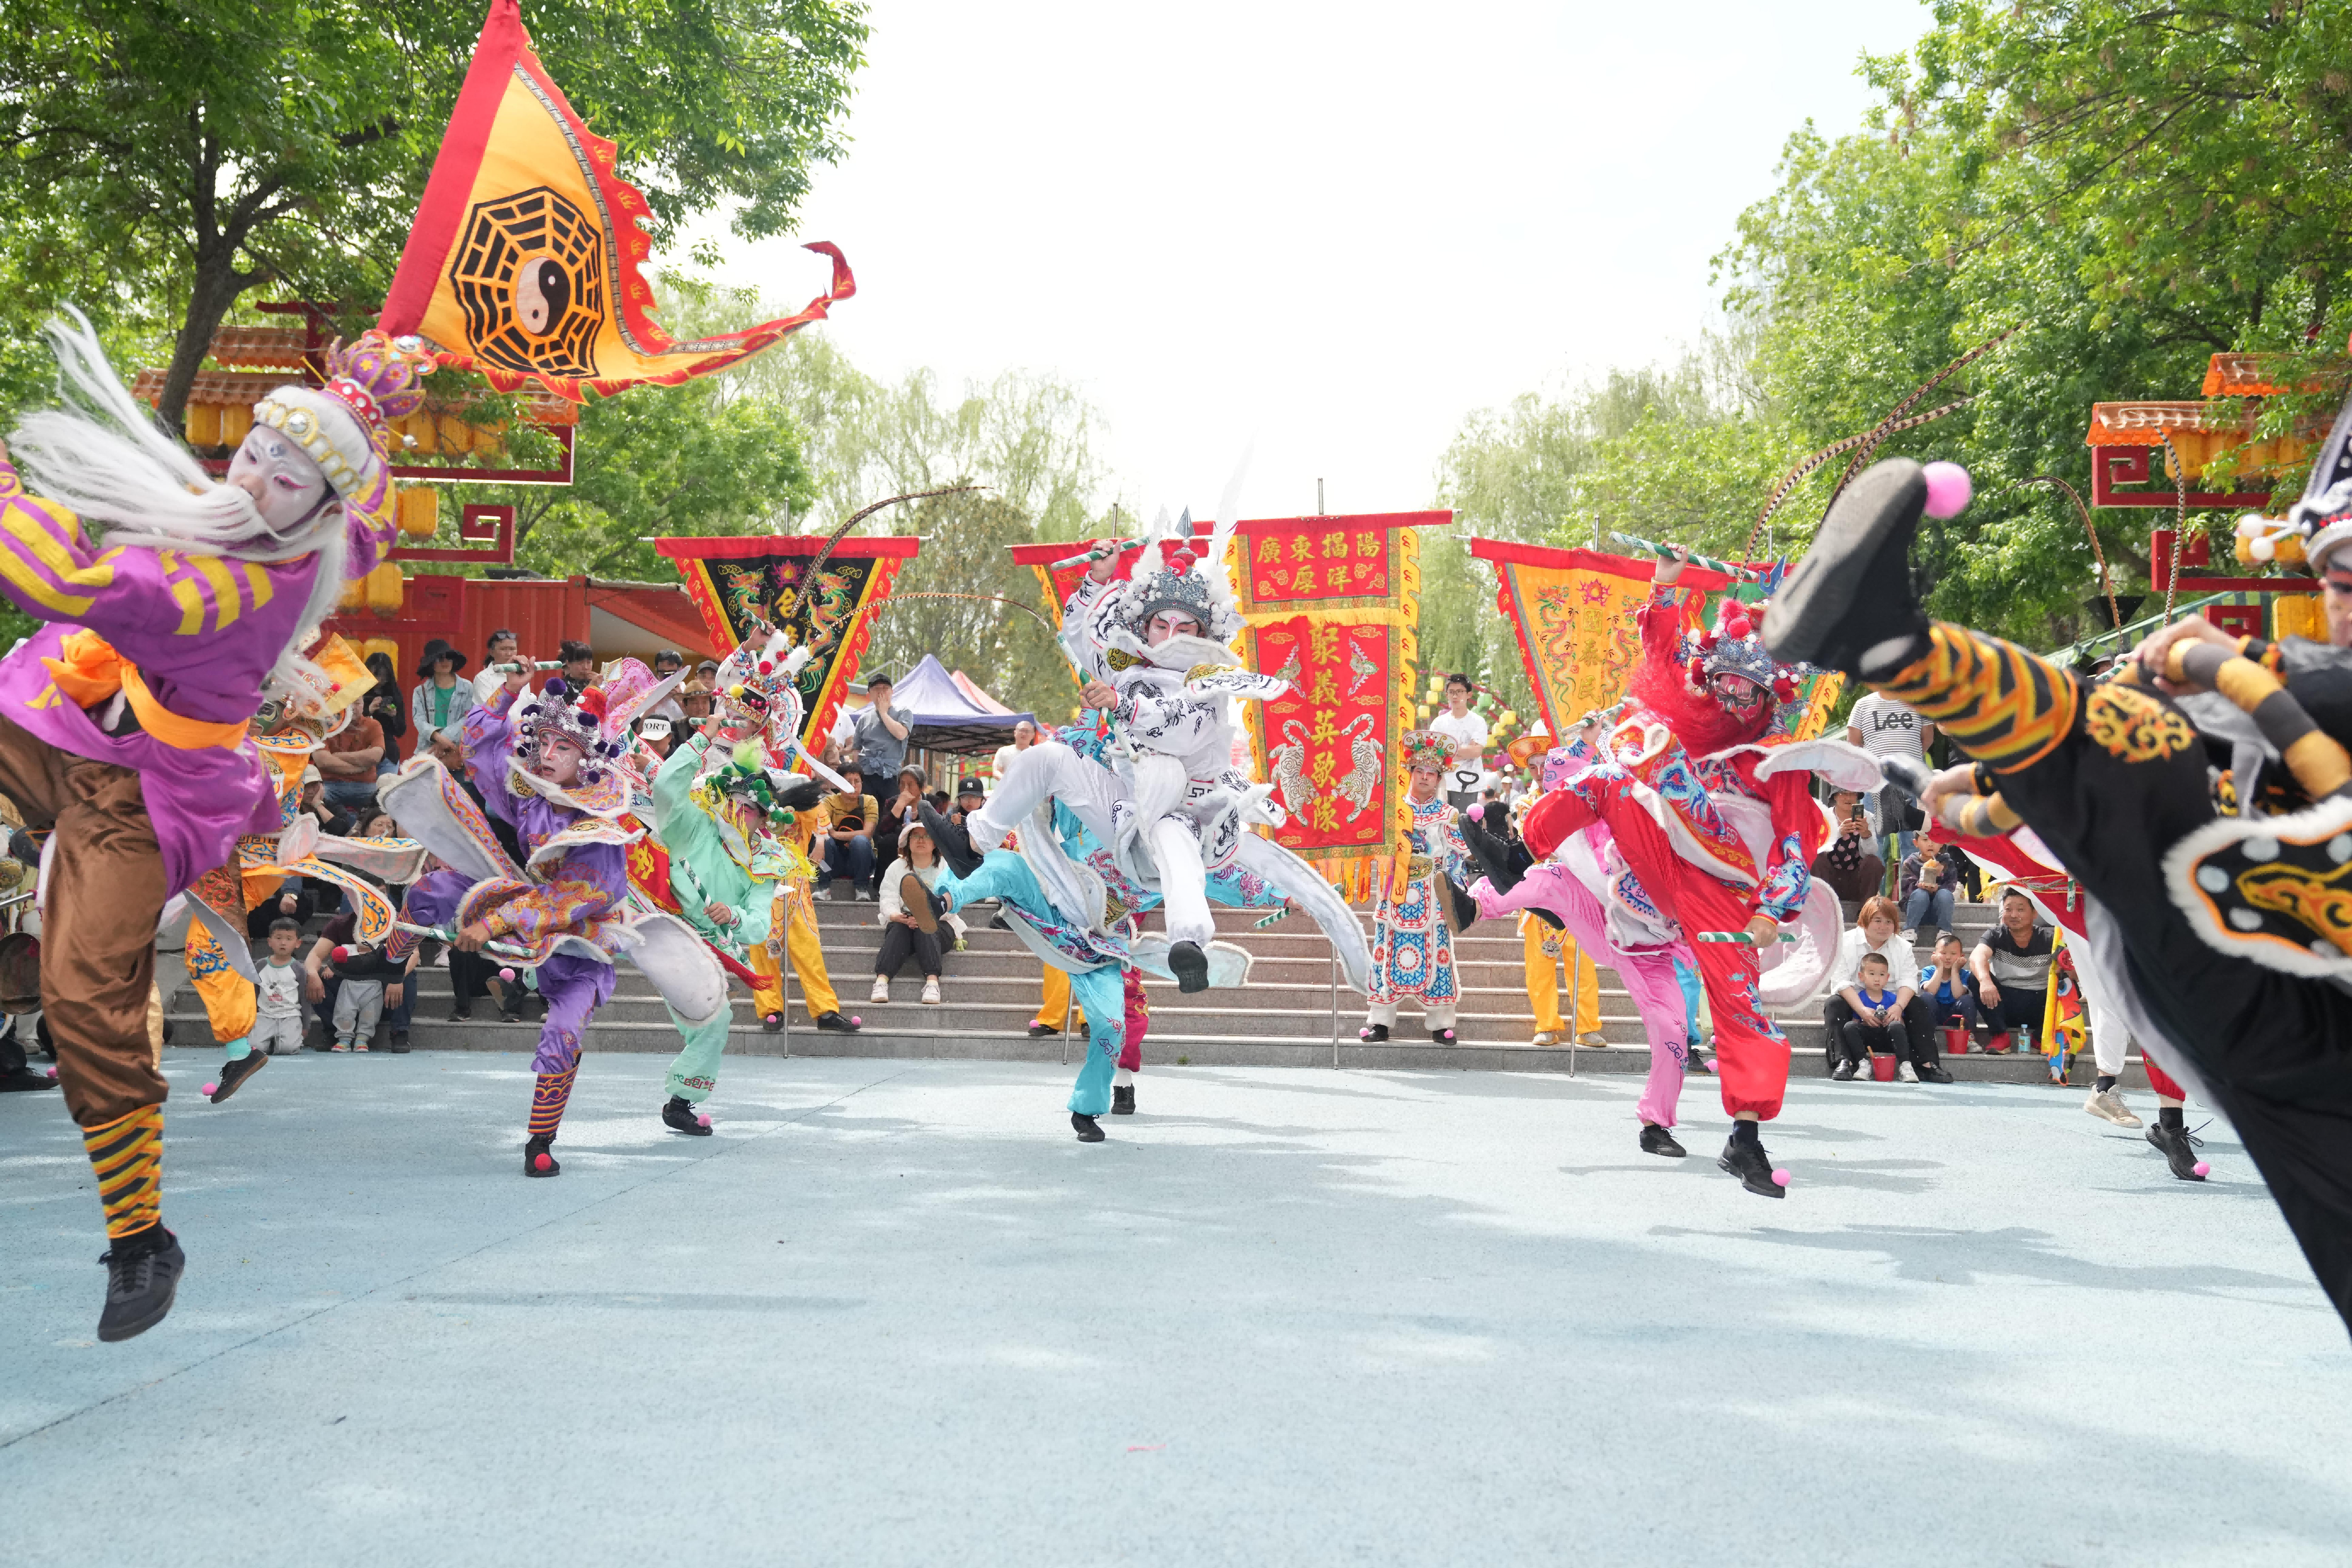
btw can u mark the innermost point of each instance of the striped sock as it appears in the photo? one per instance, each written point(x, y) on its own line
point(548, 1099)
point(127, 1153)
point(2004, 707)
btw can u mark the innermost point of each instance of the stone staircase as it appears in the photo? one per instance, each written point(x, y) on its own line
point(1292, 1013)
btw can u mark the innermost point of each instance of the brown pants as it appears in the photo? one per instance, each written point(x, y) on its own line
point(98, 926)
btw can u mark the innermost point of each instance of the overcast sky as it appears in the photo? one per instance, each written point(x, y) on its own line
point(1328, 230)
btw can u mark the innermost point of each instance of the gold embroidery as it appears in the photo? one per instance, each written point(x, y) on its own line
point(2135, 726)
point(2315, 901)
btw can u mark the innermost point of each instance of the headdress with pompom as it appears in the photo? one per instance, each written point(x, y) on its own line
point(1186, 575)
point(1735, 646)
point(1425, 749)
point(555, 714)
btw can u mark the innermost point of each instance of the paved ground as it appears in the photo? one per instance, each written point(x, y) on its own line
point(894, 1314)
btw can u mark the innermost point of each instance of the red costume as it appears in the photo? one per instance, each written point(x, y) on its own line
point(1715, 826)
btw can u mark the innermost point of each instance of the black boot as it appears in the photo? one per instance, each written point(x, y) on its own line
point(1849, 604)
point(1462, 908)
point(24, 1080)
point(1744, 1157)
point(537, 1161)
point(832, 1023)
point(143, 1273)
point(680, 1116)
point(1189, 965)
point(1504, 860)
point(1122, 1100)
point(954, 843)
point(1089, 1129)
point(2178, 1149)
point(1373, 1034)
point(772, 1024)
point(234, 1074)
point(1656, 1139)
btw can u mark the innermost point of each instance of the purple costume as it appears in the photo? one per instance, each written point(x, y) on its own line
point(591, 880)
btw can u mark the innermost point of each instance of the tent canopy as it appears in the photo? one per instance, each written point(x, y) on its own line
point(941, 716)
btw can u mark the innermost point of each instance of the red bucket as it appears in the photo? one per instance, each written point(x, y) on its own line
point(1881, 1067)
point(1956, 1042)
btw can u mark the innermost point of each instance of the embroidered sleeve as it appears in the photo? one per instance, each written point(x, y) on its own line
point(488, 735)
point(1661, 623)
point(1787, 879)
point(588, 884)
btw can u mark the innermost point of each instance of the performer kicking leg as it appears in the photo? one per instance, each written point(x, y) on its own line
point(2114, 781)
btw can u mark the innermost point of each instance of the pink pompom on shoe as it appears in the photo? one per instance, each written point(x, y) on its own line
point(703, 1119)
point(1949, 489)
point(1779, 1178)
point(2201, 1168)
point(541, 1162)
point(506, 975)
point(209, 1090)
point(858, 1020)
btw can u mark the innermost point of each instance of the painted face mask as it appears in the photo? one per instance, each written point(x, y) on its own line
point(286, 485)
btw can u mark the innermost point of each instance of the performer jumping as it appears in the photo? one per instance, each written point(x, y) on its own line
point(2230, 930)
point(1718, 828)
point(124, 721)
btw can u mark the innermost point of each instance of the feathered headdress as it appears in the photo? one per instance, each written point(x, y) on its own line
point(1186, 574)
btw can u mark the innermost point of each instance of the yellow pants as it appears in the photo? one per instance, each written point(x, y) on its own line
point(1546, 950)
point(1052, 1011)
point(808, 962)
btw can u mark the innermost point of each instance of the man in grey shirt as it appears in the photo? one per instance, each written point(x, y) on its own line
point(881, 734)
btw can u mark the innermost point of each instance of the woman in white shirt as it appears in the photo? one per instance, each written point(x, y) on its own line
point(910, 928)
point(1877, 931)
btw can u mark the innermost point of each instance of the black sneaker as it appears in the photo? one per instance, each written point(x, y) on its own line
point(1089, 1129)
point(398, 1043)
point(1189, 965)
point(1934, 1072)
point(834, 1023)
point(1656, 1139)
point(2178, 1150)
point(234, 1074)
point(680, 1116)
point(461, 1013)
point(1849, 604)
point(24, 1080)
point(1038, 1031)
point(142, 1274)
point(1748, 1160)
point(1122, 1100)
point(536, 1159)
point(773, 1023)
point(510, 1014)
point(1444, 1036)
point(1843, 1072)
point(954, 843)
point(1373, 1034)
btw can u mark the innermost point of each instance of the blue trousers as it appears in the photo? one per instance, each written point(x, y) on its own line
point(1005, 877)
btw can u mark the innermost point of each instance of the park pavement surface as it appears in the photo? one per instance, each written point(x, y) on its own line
point(892, 1312)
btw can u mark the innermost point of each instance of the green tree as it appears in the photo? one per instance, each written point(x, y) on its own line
point(204, 149)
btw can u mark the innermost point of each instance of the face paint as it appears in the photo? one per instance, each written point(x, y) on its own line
point(559, 761)
point(1169, 623)
point(286, 485)
point(1736, 692)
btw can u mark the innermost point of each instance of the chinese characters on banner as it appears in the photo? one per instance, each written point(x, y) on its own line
point(1332, 606)
point(735, 581)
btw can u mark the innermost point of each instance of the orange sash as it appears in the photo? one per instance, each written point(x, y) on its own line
point(90, 671)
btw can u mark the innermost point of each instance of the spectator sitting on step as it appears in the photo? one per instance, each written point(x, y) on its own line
point(1924, 886)
point(1876, 1026)
point(1945, 987)
point(2011, 964)
point(911, 928)
point(1874, 934)
point(1849, 865)
point(844, 849)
